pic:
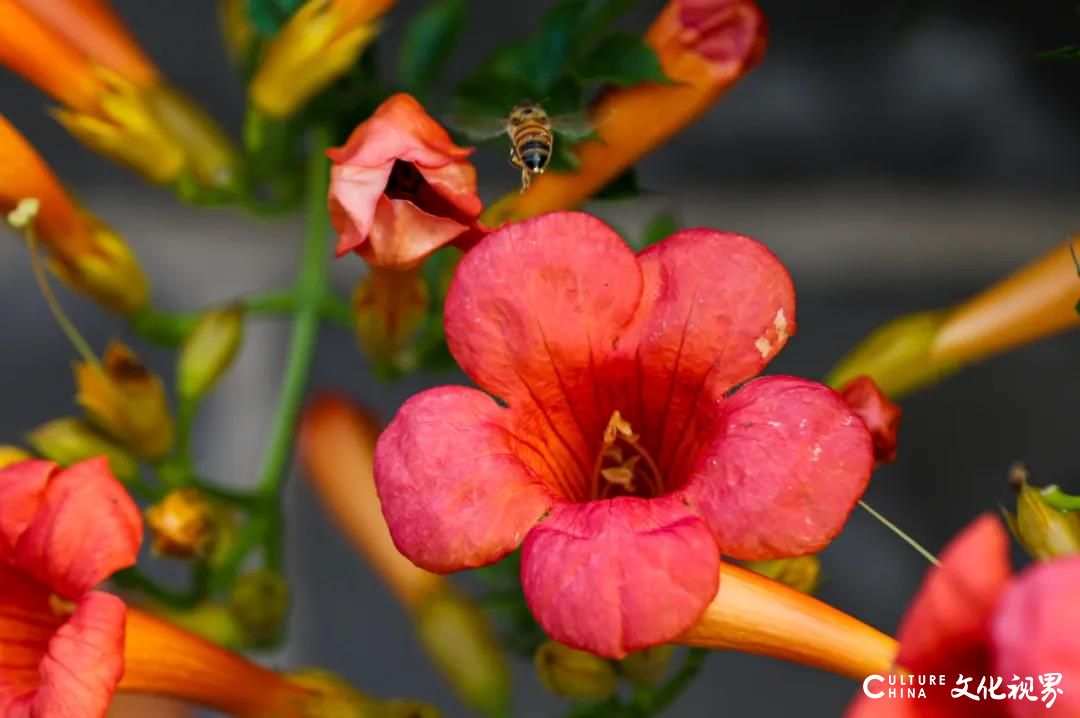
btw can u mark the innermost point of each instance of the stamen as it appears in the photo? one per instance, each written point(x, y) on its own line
point(623, 462)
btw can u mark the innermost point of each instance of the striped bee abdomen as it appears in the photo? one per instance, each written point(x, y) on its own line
point(532, 142)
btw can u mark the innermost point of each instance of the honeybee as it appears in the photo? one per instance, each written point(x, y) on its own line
point(532, 134)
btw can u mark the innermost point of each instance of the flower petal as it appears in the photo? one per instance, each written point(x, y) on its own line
point(533, 312)
point(21, 487)
point(455, 489)
point(787, 466)
point(1034, 633)
point(352, 199)
point(885, 707)
point(717, 308)
point(85, 660)
point(86, 528)
point(403, 234)
point(881, 416)
point(27, 625)
point(946, 627)
point(617, 576)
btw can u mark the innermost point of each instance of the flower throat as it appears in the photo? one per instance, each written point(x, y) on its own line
point(623, 466)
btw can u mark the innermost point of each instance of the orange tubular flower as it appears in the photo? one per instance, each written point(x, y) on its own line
point(754, 614)
point(907, 353)
point(113, 97)
point(86, 253)
point(705, 47)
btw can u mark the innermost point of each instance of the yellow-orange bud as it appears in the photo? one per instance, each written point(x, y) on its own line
point(577, 675)
point(182, 524)
point(126, 401)
point(70, 440)
point(209, 350)
point(318, 44)
point(1043, 531)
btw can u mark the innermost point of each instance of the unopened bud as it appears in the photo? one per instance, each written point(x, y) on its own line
point(647, 667)
point(126, 401)
point(70, 440)
point(574, 674)
point(389, 306)
point(461, 643)
point(209, 350)
point(110, 274)
point(182, 525)
point(12, 455)
point(260, 603)
point(1043, 531)
point(803, 573)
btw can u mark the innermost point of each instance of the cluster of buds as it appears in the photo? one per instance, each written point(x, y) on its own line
point(112, 97)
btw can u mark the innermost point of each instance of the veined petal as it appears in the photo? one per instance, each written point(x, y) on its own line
point(21, 489)
point(947, 625)
point(717, 308)
point(455, 491)
point(354, 192)
point(534, 311)
point(788, 465)
point(1034, 633)
point(26, 626)
point(403, 234)
point(640, 570)
point(85, 529)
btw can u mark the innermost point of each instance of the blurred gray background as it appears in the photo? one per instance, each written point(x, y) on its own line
point(896, 157)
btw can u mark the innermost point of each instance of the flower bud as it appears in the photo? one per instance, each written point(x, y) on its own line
point(319, 43)
point(1043, 531)
point(126, 401)
point(389, 307)
point(208, 351)
point(260, 603)
point(647, 667)
point(182, 525)
point(11, 455)
point(70, 440)
point(110, 274)
point(803, 573)
point(460, 642)
point(236, 28)
point(577, 675)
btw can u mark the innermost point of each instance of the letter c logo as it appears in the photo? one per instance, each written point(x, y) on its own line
point(866, 686)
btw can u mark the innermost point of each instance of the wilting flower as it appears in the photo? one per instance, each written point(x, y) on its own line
point(61, 534)
point(619, 459)
point(705, 47)
point(86, 254)
point(336, 445)
point(114, 100)
point(182, 525)
point(400, 188)
point(973, 618)
point(881, 416)
point(912, 351)
point(319, 43)
point(127, 401)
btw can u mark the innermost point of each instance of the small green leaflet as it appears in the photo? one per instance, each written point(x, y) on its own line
point(1066, 53)
point(623, 59)
point(429, 40)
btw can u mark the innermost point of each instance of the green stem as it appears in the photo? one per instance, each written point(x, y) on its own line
point(666, 694)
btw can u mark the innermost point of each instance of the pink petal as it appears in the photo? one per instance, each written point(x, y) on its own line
point(27, 624)
point(946, 627)
point(1035, 632)
point(455, 486)
point(402, 234)
point(881, 416)
point(787, 466)
point(85, 660)
point(87, 528)
point(717, 308)
point(21, 488)
point(353, 196)
point(885, 707)
point(617, 576)
point(535, 311)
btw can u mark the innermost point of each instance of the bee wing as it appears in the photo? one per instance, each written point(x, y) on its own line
point(477, 128)
point(579, 125)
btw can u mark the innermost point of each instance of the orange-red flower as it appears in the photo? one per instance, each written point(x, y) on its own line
point(400, 188)
point(705, 47)
point(85, 252)
point(973, 619)
point(113, 98)
point(61, 534)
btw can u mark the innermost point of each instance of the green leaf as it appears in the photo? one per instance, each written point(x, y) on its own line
point(428, 42)
point(1068, 52)
point(555, 43)
point(621, 58)
point(597, 16)
point(659, 228)
point(625, 186)
point(269, 15)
